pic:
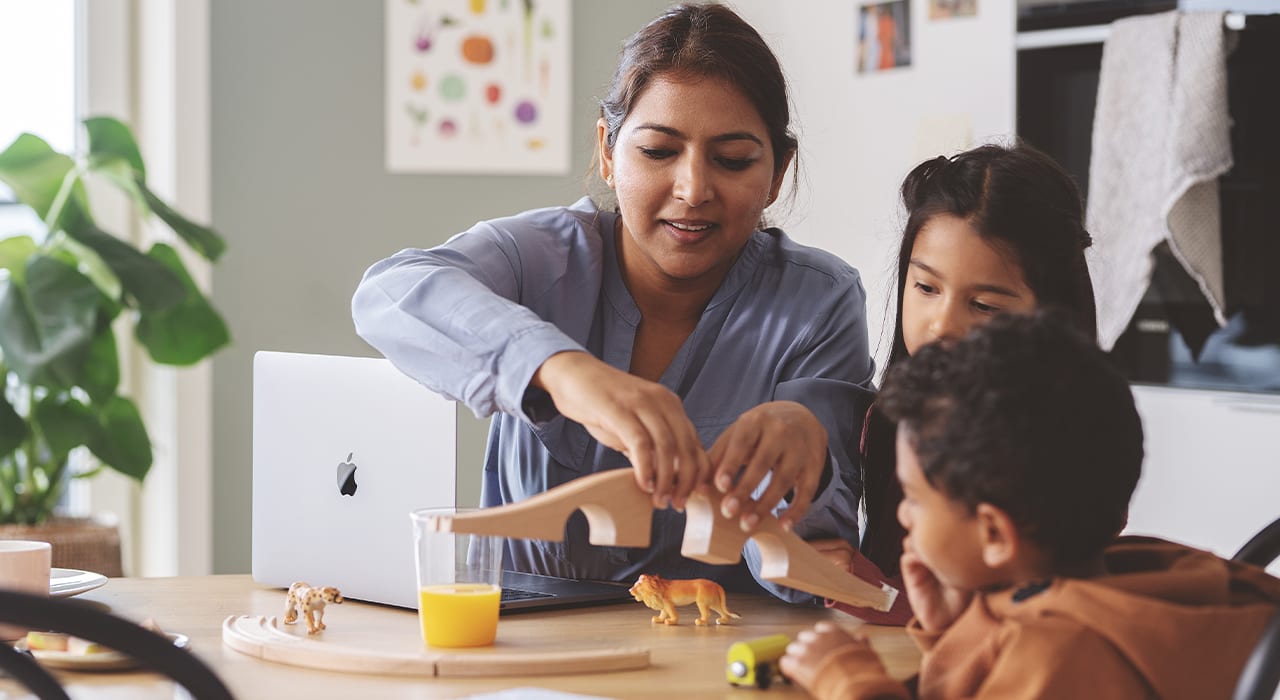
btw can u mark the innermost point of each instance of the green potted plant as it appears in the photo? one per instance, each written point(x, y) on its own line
point(63, 297)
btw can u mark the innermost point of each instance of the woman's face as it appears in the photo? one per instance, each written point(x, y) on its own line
point(956, 280)
point(693, 170)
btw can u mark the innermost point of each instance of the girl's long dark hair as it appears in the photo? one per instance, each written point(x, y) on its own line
point(1021, 200)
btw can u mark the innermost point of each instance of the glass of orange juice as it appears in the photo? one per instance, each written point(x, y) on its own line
point(459, 581)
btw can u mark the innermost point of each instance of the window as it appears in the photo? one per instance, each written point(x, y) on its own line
point(37, 87)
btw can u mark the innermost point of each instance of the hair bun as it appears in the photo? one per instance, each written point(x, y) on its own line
point(915, 184)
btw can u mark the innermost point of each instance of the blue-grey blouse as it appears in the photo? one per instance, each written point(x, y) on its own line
point(473, 319)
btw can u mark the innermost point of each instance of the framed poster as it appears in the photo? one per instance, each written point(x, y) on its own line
point(478, 86)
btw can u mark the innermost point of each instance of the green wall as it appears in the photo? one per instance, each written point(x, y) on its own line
point(300, 192)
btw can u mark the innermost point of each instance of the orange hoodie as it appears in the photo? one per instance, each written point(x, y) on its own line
point(1167, 621)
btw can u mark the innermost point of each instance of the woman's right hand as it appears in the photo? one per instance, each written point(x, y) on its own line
point(643, 420)
point(936, 605)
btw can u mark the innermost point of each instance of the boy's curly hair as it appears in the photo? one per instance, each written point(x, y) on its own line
point(1027, 414)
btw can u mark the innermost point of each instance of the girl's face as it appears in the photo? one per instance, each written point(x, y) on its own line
point(693, 170)
point(956, 280)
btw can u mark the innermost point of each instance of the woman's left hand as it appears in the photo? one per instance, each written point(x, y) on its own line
point(782, 438)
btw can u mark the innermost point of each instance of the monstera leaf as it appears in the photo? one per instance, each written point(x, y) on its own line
point(63, 296)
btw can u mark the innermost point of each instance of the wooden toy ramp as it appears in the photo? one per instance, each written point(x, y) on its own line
point(620, 514)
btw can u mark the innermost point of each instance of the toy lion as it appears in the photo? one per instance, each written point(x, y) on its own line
point(664, 595)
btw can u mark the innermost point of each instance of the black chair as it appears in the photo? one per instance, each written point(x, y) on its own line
point(1261, 674)
point(1262, 548)
point(87, 622)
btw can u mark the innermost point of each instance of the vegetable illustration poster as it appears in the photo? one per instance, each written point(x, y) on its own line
point(478, 86)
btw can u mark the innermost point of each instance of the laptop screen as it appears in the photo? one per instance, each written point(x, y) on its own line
point(343, 449)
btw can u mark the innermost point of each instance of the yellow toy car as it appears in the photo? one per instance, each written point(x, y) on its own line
point(755, 661)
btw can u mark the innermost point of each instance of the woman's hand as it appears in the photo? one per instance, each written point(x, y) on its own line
point(806, 653)
point(643, 420)
point(782, 438)
point(936, 604)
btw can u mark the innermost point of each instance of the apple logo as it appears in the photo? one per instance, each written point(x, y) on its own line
point(347, 477)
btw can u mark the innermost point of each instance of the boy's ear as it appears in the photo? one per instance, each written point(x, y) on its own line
point(998, 536)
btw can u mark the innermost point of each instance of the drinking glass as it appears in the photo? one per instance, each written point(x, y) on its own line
point(459, 581)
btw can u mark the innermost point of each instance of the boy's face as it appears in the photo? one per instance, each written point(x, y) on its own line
point(942, 532)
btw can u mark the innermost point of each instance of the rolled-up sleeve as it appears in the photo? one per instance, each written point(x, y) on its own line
point(452, 317)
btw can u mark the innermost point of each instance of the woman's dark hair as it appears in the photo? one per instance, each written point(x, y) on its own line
point(703, 40)
point(1021, 201)
point(1027, 414)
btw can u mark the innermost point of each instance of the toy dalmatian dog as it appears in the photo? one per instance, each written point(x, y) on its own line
point(309, 602)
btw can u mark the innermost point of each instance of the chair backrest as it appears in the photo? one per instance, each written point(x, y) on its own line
point(1262, 548)
point(1261, 674)
point(87, 622)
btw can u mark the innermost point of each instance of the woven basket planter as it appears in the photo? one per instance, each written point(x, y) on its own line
point(78, 543)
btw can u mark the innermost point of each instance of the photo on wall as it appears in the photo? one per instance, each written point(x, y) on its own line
point(946, 9)
point(884, 36)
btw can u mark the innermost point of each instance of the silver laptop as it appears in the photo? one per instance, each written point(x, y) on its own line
point(343, 449)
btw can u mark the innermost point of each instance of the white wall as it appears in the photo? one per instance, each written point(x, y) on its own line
point(860, 134)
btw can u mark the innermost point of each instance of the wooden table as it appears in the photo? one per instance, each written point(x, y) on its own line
point(685, 661)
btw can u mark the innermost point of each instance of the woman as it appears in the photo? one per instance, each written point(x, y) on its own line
point(644, 335)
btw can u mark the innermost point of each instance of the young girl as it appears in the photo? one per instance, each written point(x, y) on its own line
point(992, 230)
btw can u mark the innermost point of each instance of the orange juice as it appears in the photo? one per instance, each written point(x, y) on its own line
point(459, 614)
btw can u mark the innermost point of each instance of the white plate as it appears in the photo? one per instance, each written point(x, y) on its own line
point(69, 582)
point(101, 661)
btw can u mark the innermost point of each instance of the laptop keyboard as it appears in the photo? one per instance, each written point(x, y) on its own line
point(513, 594)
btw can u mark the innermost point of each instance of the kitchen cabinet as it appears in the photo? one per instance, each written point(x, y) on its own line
point(1211, 478)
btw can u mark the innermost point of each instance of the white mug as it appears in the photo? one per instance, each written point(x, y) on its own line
point(24, 566)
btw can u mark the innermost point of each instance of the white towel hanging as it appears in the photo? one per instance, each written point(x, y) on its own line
point(1161, 138)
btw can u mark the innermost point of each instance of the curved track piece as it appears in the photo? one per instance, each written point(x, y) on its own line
point(620, 515)
point(262, 638)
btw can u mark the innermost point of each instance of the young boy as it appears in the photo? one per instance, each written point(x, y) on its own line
point(1018, 449)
